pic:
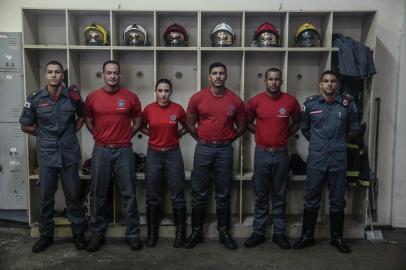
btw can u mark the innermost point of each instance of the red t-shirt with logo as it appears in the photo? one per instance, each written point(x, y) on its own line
point(163, 123)
point(112, 114)
point(216, 115)
point(272, 118)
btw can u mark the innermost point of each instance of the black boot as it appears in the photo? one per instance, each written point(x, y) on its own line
point(223, 226)
point(337, 227)
point(42, 244)
point(309, 222)
point(153, 213)
point(79, 241)
point(196, 237)
point(180, 222)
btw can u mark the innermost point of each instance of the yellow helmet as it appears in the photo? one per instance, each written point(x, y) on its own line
point(95, 34)
point(307, 35)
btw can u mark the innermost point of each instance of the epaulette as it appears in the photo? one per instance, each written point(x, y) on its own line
point(33, 94)
point(346, 99)
point(311, 98)
point(74, 92)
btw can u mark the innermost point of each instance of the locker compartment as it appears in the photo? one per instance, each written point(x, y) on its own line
point(187, 20)
point(357, 25)
point(78, 20)
point(44, 27)
point(321, 20)
point(13, 164)
point(254, 19)
point(122, 19)
point(211, 19)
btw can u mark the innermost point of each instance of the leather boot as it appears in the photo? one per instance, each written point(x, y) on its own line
point(153, 213)
point(309, 222)
point(337, 227)
point(223, 226)
point(180, 223)
point(42, 244)
point(196, 237)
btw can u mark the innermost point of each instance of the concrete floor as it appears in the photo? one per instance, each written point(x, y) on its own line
point(15, 253)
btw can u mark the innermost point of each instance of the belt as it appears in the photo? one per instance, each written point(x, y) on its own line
point(272, 149)
point(163, 149)
point(215, 141)
point(112, 145)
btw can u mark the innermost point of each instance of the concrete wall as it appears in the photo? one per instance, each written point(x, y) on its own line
point(390, 22)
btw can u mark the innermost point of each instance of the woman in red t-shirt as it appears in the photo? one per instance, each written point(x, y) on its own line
point(164, 161)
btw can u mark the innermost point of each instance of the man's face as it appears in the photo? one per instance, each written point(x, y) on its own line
point(273, 82)
point(111, 75)
point(328, 84)
point(54, 75)
point(217, 77)
point(163, 93)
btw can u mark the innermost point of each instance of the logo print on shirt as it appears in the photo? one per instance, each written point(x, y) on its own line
point(121, 104)
point(231, 110)
point(172, 118)
point(282, 113)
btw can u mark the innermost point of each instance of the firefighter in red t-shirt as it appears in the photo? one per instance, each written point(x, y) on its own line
point(161, 121)
point(113, 116)
point(271, 110)
point(220, 116)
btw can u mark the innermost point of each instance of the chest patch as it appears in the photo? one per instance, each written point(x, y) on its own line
point(231, 110)
point(316, 112)
point(282, 113)
point(121, 104)
point(172, 118)
point(44, 104)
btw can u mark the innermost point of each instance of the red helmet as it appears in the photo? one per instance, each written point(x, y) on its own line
point(272, 39)
point(175, 36)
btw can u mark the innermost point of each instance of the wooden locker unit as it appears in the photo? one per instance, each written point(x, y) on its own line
point(58, 34)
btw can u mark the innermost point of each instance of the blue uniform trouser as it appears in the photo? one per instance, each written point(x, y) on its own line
point(337, 185)
point(271, 173)
point(72, 189)
point(117, 164)
point(167, 165)
point(212, 160)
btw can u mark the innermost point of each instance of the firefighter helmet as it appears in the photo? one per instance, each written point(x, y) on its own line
point(266, 35)
point(307, 35)
point(175, 36)
point(95, 34)
point(135, 35)
point(222, 35)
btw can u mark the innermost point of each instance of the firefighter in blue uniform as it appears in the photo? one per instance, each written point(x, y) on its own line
point(49, 114)
point(328, 121)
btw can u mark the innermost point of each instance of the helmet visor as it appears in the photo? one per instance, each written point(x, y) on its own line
point(175, 39)
point(308, 38)
point(222, 39)
point(267, 39)
point(134, 38)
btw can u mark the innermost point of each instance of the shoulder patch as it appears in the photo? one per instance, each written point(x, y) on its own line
point(74, 92)
point(311, 98)
point(33, 94)
point(346, 99)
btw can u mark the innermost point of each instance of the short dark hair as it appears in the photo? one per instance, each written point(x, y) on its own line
point(111, 62)
point(168, 82)
point(54, 62)
point(329, 72)
point(273, 69)
point(217, 64)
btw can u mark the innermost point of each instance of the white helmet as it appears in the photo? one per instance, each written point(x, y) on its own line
point(135, 35)
point(222, 35)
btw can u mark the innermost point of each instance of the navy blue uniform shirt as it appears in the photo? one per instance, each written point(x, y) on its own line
point(328, 125)
point(57, 144)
